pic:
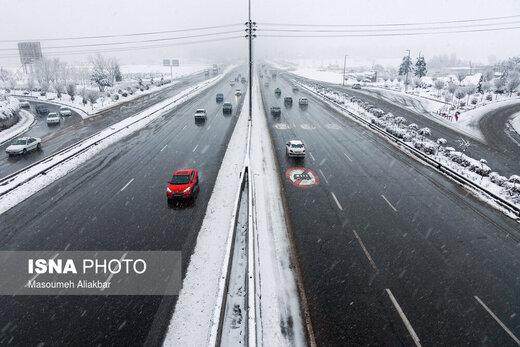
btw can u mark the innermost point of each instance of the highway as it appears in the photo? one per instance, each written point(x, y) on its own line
point(117, 201)
point(73, 129)
point(498, 149)
point(392, 252)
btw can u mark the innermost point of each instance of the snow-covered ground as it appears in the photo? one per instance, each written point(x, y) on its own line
point(77, 154)
point(515, 122)
point(25, 121)
point(178, 71)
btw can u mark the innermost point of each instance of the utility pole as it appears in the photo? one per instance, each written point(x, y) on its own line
point(407, 70)
point(344, 69)
point(251, 29)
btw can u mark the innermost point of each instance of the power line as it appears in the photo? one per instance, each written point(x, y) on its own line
point(125, 49)
point(124, 35)
point(388, 29)
point(393, 24)
point(395, 34)
point(130, 42)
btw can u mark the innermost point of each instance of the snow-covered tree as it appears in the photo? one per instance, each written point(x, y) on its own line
point(513, 81)
point(92, 97)
point(470, 90)
point(100, 72)
point(406, 66)
point(420, 67)
point(460, 94)
point(59, 87)
point(439, 85)
point(71, 90)
point(499, 84)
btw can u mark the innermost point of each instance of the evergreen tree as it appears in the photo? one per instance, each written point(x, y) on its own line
point(406, 66)
point(420, 67)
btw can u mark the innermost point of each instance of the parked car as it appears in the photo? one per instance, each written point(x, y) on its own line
point(23, 145)
point(227, 107)
point(238, 92)
point(220, 97)
point(53, 118)
point(42, 110)
point(295, 89)
point(303, 101)
point(201, 115)
point(276, 111)
point(277, 91)
point(288, 101)
point(243, 80)
point(25, 104)
point(232, 83)
point(295, 149)
point(356, 86)
point(184, 185)
point(65, 111)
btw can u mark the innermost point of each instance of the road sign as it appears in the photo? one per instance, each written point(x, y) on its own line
point(30, 52)
point(166, 62)
point(175, 62)
point(302, 177)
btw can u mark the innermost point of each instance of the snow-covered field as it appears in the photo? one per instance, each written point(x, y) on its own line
point(515, 122)
point(178, 71)
point(25, 121)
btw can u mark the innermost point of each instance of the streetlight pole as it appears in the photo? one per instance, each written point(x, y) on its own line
point(344, 69)
point(251, 28)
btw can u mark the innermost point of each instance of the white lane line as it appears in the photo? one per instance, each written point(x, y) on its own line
point(325, 178)
point(336, 200)
point(38, 274)
point(365, 250)
point(126, 185)
point(162, 149)
point(209, 127)
point(509, 332)
point(347, 156)
point(184, 127)
point(388, 202)
point(312, 156)
point(109, 278)
point(403, 317)
point(194, 149)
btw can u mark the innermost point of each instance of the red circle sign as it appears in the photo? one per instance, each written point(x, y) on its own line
point(302, 177)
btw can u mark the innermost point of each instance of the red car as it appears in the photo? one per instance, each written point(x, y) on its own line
point(184, 185)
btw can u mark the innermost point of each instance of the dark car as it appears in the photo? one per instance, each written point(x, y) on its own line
point(276, 111)
point(295, 89)
point(288, 101)
point(220, 97)
point(243, 80)
point(356, 86)
point(227, 108)
point(277, 91)
point(42, 109)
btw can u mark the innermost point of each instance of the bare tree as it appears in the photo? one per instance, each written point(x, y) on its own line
point(460, 94)
point(92, 97)
point(59, 87)
point(100, 72)
point(470, 90)
point(439, 85)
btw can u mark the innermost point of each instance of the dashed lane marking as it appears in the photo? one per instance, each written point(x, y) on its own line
point(506, 329)
point(126, 185)
point(404, 319)
point(365, 250)
point(388, 202)
point(336, 200)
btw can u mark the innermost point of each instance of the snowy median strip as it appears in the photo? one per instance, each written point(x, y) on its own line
point(25, 122)
point(499, 191)
point(17, 188)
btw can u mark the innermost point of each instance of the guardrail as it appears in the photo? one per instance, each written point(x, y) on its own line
point(9, 178)
point(434, 163)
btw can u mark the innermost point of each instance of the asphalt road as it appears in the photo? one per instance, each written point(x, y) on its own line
point(382, 237)
point(74, 128)
point(499, 133)
point(502, 155)
point(117, 201)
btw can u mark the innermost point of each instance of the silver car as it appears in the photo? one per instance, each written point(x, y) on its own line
point(53, 118)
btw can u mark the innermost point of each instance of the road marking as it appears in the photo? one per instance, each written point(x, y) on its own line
point(325, 178)
point(184, 127)
point(209, 127)
point(509, 332)
point(388, 202)
point(366, 251)
point(194, 149)
point(403, 317)
point(336, 200)
point(347, 156)
point(126, 185)
point(162, 149)
point(312, 156)
point(112, 273)
point(38, 274)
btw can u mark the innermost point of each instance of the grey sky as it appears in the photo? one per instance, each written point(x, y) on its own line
point(22, 19)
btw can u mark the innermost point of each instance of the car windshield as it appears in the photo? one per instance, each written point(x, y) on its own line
point(297, 145)
point(201, 111)
point(180, 179)
point(20, 142)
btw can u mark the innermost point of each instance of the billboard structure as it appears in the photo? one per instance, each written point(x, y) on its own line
point(171, 63)
point(30, 53)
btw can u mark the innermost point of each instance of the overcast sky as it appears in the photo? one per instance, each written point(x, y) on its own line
point(24, 19)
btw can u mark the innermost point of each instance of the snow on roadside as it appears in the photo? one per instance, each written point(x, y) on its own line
point(281, 319)
point(25, 122)
point(193, 318)
point(104, 139)
point(515, 122)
